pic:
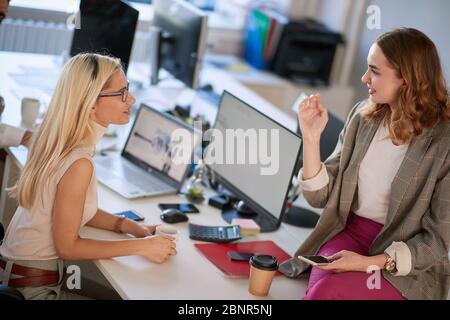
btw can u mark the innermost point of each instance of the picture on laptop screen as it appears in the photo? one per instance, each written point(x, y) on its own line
point(153, 142)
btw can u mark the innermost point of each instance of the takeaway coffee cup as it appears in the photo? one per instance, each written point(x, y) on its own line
point(165, 230)
point(30, 110)
point(262, 270)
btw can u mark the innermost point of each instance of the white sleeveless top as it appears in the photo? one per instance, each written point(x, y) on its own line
point(29, 235)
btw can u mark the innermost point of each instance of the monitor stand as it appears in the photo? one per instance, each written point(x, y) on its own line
point(267, 224)
point(301, 217)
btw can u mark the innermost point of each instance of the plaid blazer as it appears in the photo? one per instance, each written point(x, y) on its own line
point(419, 208)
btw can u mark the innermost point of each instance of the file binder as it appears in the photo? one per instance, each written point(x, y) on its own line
point(217, 254)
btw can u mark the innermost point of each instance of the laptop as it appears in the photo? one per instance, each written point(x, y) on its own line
point(155, 158)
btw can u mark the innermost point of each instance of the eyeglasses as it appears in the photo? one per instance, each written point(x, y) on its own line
point(123, 93)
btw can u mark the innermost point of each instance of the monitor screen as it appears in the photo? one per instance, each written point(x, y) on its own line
point(107, 27)
point(151, 141)
point(183, 38)
point(258, 156)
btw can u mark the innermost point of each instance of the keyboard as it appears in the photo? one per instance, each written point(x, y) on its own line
point(220, 234)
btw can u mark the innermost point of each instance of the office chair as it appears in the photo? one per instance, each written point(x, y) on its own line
point(8, 293)
point(302, 217)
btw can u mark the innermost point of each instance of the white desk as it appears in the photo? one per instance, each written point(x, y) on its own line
point(188, 275)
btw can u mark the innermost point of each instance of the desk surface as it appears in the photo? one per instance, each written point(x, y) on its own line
point(188, 275)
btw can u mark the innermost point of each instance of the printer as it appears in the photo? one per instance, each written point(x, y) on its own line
point(306, 52)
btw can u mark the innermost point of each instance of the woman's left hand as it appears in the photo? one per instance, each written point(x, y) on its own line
point(345, 261)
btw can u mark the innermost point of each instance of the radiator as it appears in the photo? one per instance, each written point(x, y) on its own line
point(53, 38)
point(34, 36)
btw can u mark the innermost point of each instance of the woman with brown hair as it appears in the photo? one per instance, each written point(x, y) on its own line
point(386, 187)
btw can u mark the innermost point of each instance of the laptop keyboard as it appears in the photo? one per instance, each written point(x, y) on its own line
point(107, 170)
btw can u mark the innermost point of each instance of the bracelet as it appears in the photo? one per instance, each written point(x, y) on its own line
point(118, 224)
point(391, 265)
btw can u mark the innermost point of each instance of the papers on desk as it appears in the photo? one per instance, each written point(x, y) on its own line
point(227, 62)
point(248, 226)
point(38, 79)
point(21, 92)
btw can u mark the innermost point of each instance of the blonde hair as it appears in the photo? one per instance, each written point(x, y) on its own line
point(424, 100)
point(66, 124)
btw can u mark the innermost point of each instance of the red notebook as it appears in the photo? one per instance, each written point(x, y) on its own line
point(217, 254)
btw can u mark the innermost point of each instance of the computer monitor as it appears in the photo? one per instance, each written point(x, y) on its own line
point(262, 184)
point(182, 40)
point(107, 27)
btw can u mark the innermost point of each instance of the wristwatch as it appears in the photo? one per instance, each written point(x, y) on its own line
point(391, 265)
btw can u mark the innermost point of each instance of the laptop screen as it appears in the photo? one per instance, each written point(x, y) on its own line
point(161, 142)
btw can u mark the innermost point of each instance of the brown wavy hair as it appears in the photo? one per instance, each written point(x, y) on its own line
point(424, 99)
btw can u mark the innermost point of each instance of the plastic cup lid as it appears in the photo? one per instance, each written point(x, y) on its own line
point(264, 262)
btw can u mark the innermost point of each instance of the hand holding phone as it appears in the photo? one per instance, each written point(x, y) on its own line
point(315, 260)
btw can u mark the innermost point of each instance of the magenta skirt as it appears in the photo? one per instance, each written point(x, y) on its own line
point(357, 236)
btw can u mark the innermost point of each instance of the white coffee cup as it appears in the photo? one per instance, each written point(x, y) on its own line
point(165, 230)
point(30, 110)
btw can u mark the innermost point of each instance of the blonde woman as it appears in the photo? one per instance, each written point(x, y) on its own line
point(57, 191)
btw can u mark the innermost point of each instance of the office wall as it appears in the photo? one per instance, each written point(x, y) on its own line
point(429, 16)
point(298, 9)
point(333, 13)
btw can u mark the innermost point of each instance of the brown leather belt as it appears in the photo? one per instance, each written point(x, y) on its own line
point(32, 277)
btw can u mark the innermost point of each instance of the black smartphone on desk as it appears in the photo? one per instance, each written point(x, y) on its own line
point(183, 207)
point(240, 256)
point(130, 214)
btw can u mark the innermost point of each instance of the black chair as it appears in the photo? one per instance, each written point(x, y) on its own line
point(302, 217)
point(8, 293)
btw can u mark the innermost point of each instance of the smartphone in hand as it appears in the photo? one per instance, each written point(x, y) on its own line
point(315, 260)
